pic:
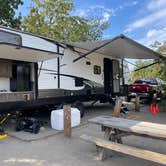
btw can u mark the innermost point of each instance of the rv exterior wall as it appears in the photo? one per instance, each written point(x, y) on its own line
point(78, 69)
point(33, 41)
point(4, 84)
point(48, 77)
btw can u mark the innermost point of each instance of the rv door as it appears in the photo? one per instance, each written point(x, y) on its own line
point(111, 76)
point(116, 76)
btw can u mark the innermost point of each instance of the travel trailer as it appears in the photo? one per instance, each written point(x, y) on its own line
point(39, 73)
point(91, 68)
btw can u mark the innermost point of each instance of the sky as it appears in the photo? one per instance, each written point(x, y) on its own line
point(141, 20)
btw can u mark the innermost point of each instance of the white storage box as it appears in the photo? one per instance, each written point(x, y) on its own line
point(57, 119)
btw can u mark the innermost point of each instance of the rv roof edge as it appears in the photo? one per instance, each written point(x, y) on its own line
point(28, 33)
point(21, 46)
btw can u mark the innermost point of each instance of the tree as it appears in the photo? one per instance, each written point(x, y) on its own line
point(53, 19)
point(158, 70)
point(7, 13)
point(152, 71)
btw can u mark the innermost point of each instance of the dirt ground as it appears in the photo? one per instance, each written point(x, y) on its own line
point(54, 149)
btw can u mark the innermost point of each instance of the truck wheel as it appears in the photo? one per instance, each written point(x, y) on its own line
point(80, 107)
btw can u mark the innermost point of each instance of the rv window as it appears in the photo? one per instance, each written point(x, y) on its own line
point(78, 82)
point(11, 38)
point(88, 63)
point(97, 69)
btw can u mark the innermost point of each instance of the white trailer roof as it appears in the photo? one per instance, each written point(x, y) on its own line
point(17, 45)
point(118, 47)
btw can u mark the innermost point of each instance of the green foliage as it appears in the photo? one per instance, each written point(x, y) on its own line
point(152, 71)
point(7, 13)
point(53, 19)
point(158, 70)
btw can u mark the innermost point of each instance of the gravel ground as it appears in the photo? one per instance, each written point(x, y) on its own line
point(56, 150)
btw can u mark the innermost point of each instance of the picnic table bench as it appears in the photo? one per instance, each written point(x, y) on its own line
point(116, 128)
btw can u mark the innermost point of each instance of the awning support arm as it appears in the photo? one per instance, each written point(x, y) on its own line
point(147, 66)
point(97, 48)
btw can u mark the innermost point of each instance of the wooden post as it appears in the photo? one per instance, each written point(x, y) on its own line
point(67, 120)
point(137, 104)
point(117, 108)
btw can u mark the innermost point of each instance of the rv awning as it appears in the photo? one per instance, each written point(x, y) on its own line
point(18, 45)
point(14, 52)
point(118, 47)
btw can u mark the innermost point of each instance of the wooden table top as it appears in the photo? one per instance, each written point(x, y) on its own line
point(138, 127)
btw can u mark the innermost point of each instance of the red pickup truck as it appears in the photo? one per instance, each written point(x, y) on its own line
point(146, 88)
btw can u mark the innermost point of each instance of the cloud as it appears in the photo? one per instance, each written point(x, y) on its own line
point(156, 11)
point(100, 11)
point(106, 16)
point(154, 35)
point(80, 12)
point(135, 2)
point(156, 16)
point(156, 4)
point(96, 11)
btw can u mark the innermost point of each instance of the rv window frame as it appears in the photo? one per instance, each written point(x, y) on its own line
point(14, 34)
point(97, 69)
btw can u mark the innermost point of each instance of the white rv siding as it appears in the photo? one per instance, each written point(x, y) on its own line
point(79, 69)
point(33, 41)
point(4, 84)
point(46, 80)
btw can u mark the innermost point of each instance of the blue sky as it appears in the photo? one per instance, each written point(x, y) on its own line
point(142, 20)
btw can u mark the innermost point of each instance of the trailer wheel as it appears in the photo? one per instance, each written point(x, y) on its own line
point(19, 125)
point(80, 107)
point(128, 99)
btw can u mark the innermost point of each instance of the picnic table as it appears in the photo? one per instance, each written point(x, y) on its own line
point(117, 128)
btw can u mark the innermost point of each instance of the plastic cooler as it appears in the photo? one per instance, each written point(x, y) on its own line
point(57, 118)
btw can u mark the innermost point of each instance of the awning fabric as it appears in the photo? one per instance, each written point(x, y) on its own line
point(119, 47)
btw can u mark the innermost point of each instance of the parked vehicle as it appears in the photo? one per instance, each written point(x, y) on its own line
point(40, 74)
point(146, 88)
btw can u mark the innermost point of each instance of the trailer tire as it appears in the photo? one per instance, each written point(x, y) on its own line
point(19, 125)
point(128, 99)
point(80, 107)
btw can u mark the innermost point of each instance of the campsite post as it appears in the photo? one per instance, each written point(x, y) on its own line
point(137, 104)
point(67, 120)
point(117, 108)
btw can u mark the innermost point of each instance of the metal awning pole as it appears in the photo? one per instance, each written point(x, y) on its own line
point(146, 66)
point(58, 68)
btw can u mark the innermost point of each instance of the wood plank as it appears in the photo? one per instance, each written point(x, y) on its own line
point(128, 125)
point(136, 152)
point(67, 120)
point(137, 104)
point(117, 108)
